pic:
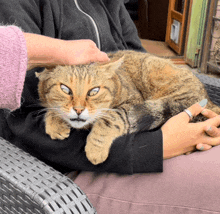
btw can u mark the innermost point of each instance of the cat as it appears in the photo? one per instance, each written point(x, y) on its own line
point(110, 98)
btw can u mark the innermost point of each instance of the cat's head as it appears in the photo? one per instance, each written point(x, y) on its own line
point(80, 94)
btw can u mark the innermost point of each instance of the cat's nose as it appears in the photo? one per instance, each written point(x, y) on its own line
point(79, 110)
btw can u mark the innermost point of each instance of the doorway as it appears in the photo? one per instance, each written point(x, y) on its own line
point(154, 20)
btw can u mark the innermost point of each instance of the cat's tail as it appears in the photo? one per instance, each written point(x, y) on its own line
point(153, 114)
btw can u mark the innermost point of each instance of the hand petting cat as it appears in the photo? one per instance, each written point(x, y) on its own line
point(44, 51)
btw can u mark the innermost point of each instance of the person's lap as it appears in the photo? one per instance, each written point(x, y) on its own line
point(189, 184)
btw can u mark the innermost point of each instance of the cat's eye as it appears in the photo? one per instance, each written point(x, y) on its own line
point(65, 89)
point(93, 91)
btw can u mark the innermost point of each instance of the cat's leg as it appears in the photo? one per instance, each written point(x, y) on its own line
point(55, 126)
point(104, 132)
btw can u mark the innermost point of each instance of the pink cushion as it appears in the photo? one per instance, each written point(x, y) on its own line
point(190, 184)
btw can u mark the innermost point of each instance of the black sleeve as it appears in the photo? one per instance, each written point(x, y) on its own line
point(148, 152)
point(141, 152)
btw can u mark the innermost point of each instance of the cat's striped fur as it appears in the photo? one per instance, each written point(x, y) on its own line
point(111, 98)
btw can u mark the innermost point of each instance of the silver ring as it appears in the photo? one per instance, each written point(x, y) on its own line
point(189, 114)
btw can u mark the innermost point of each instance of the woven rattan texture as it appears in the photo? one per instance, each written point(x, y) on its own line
point(29, 186)
point(212, 86)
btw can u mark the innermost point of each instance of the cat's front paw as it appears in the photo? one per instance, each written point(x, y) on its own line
point(58, 132)
point(96, 152)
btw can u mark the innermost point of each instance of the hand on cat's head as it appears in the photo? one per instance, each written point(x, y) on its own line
point(82, 52)
point(72, 52)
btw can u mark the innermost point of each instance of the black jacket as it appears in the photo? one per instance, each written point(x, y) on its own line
point(108, 24)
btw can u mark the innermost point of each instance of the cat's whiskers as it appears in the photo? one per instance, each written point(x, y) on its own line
point(103, 113)
point(57, 111)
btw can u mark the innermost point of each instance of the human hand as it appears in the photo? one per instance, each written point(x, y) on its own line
point(180, 136)
point(75, 52)
point(212, 131)
point(44, 51)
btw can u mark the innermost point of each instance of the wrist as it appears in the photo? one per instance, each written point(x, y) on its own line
point(41, 50)
point(175, 145)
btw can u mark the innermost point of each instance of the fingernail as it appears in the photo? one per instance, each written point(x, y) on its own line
point(201, 148)
point(203, 111)
point(203, 103)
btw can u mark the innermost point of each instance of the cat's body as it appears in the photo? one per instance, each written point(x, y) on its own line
point(111, 98)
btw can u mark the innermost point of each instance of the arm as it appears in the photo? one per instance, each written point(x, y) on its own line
point(44, 51)
point(13, 65)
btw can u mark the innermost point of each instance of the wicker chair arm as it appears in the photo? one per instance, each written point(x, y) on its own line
point(27, 185)
point(212, 85)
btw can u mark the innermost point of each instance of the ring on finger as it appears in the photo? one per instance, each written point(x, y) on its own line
point(189, 114)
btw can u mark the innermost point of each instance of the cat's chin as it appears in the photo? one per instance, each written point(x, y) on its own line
point(79, 124)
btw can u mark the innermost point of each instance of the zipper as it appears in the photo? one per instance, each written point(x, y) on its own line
point(93, 23)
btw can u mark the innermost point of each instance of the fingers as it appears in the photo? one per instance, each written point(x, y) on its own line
point(203, 147)
point(213, 122)
point(208, 113)
point(102, 57)
point(213, 133)
point(82, 51)
point(96, 54)
point(195, 109)
point(212, 139)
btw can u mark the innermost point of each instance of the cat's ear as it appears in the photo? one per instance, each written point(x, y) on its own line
point(41, 75)
point(113, 64)
point(37, 74)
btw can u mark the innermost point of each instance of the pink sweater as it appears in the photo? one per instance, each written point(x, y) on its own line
point(13, 65)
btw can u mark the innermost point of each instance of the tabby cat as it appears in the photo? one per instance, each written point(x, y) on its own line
point(111, 98)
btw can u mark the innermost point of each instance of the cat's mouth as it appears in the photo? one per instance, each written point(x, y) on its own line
point(77, 120)
point(78, 123)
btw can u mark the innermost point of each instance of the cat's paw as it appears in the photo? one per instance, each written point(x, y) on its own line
point(58, 133)
point(96, 153)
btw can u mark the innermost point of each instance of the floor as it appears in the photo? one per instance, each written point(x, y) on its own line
point(158, 48)
point(161, 49)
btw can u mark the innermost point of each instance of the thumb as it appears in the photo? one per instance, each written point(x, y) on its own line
point(195, 109)
point(102, 57)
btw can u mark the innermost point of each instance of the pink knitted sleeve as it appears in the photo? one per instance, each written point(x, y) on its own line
point(13, 65)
